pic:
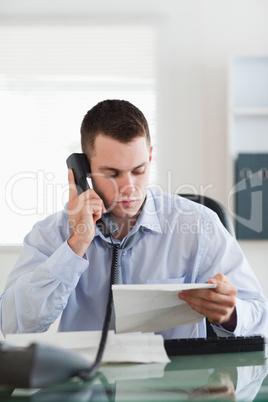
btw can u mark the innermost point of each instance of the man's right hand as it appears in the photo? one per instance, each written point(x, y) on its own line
point(83, 211)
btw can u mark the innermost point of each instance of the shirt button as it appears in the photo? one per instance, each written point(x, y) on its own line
point(124, 253)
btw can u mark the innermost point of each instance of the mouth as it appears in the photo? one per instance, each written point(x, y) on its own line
point(126, 203)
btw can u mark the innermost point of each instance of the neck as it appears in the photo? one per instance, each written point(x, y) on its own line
point(124, 226)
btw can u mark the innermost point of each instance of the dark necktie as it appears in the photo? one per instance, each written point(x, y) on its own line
point(116, 268)
point(123, 247)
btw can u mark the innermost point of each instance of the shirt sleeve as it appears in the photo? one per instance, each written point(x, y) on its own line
point(41, 282)
point(223, 254)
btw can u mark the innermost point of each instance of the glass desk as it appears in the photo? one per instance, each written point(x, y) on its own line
point(217, 377)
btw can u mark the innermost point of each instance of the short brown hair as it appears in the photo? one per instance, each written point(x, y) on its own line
point(118, 119)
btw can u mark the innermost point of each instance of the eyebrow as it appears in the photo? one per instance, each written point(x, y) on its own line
point(144, 164)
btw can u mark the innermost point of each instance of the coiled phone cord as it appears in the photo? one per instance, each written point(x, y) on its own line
point(92, 370)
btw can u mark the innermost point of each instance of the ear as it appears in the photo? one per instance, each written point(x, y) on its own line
point(151, 154)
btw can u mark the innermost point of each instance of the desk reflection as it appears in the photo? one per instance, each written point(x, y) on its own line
point(229, 377)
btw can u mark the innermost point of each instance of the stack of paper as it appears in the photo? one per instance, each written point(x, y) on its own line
point(120, 348)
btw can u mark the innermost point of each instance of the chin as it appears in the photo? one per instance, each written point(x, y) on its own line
point(127, 214)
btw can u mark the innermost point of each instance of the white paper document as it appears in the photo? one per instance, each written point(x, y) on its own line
point(120, 348)
point(153, 308)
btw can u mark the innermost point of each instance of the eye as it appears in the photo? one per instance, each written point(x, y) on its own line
point(110, 175)
point(139, 171)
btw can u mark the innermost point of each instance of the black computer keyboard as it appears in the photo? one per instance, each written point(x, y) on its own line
point(193, 346)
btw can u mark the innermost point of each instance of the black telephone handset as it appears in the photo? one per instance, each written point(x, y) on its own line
point(81, 169)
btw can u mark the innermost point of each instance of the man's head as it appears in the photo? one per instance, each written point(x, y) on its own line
point(117, 119)
point(116, 139)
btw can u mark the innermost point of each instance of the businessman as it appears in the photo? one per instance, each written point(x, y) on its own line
point(64, 268)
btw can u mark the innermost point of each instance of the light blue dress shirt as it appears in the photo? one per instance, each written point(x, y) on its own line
point(181, 242)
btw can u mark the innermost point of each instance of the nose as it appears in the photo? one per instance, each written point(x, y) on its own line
point(126, 186)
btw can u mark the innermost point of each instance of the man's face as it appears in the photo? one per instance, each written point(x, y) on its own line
point(120, 174)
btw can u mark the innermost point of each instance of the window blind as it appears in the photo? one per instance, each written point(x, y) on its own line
point(50, 76)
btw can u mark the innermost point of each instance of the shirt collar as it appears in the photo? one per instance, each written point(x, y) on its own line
point(148, 217)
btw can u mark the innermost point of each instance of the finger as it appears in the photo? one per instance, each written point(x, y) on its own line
point(223, 295)
point(213, 295)
point(223, 285)
point(226, 289)
point(94, 208)
point(91, 195)
point(72, 187)
point(219, 278)
point(215, 311)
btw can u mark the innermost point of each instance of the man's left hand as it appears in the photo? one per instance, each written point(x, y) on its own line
point(217, 304)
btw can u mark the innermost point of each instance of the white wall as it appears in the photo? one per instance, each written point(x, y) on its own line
point(196, 39)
